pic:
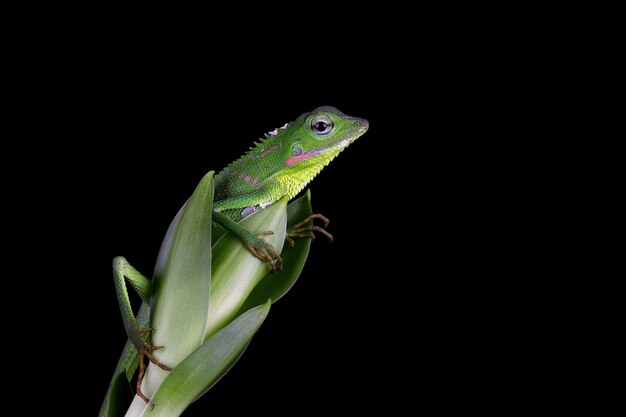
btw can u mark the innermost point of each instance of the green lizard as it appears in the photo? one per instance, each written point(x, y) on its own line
point(280, 165)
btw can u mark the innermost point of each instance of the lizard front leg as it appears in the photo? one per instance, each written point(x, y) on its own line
point(123, 272)
point(256, 245)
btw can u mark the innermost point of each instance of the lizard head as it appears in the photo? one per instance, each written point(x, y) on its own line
point(317, 137)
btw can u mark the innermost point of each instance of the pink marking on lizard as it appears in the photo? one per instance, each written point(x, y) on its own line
point(255, 182)
point(267, 152)
point(295, 159)
point(248, 178)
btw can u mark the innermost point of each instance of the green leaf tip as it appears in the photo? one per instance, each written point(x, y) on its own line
point(205, 366)
point(182, 284)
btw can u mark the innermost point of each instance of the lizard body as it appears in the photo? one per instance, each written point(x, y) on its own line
point(281, 164)
point(285, 161)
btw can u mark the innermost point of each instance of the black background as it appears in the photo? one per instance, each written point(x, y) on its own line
point(451, 283)
point(401, 303)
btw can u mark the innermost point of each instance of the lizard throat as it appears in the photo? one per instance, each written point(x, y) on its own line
point(296, 181)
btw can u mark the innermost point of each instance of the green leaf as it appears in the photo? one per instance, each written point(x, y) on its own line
point(166, 245)
point(236, 271)
point(204, 367)
point(118, 397)
point(274, 286)
point(182, 284)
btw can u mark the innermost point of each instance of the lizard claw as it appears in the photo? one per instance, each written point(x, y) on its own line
point(146, 352)
point(302, 230)
point(266, 252)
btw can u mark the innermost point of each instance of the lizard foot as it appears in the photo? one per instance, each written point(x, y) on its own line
point(266, 252)
point(303, 230)
point(146, 352)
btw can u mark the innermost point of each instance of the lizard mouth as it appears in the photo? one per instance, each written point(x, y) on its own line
point(364, 126)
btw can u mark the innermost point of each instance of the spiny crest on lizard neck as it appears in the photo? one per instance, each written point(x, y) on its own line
point(263, 147)
point(271, 138)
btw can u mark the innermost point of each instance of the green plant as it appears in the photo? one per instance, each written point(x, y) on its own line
point(208, 301)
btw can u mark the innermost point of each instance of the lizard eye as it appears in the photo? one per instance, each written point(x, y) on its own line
point(322, 125)
point(296, 150)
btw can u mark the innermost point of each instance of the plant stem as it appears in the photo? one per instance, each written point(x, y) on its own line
point(137, 407)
